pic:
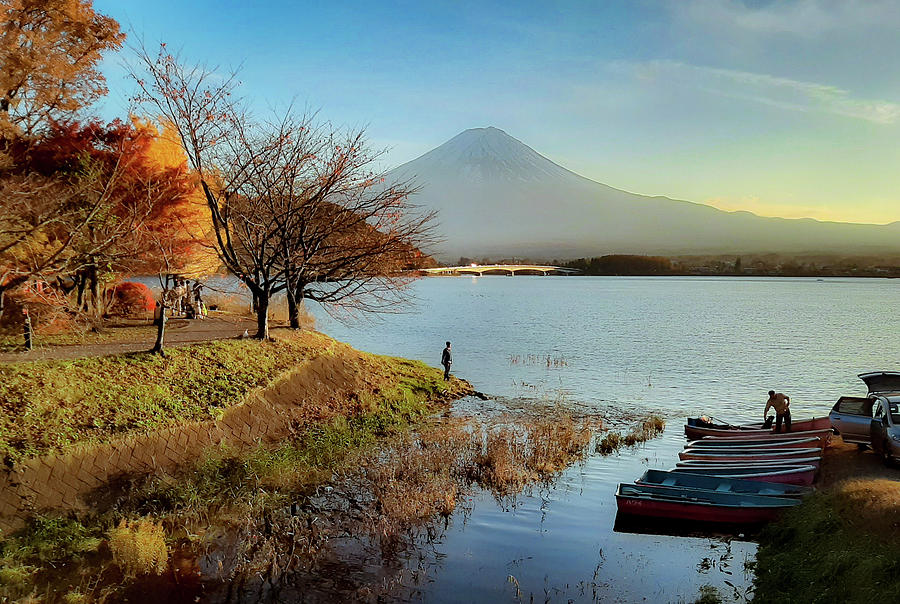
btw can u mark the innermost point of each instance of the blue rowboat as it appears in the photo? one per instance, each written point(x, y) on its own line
point(718, 484)
point(787, 474)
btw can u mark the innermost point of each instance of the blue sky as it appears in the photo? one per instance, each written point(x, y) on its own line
point(782, 108)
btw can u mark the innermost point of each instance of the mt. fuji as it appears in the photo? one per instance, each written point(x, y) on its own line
point(498, 197)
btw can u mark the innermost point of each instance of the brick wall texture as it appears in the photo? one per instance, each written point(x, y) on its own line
point(66, 481)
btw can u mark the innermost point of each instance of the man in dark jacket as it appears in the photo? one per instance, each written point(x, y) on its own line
point(446, 361)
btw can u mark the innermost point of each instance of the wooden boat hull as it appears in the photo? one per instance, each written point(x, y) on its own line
point(762, 449)
point(694, 504)
point(800, 474)
point(755, 455)
point(715, 483)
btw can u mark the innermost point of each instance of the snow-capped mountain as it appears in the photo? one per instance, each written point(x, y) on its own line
point(499, 197)
point(490, 154)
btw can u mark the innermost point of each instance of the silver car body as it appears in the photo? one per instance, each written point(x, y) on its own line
point(873, 420)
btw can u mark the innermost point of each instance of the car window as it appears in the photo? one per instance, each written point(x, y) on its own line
point(895, 413)
point(879, 411)
point(854, 406)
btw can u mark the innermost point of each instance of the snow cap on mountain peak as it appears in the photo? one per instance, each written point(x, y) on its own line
point(490, 154)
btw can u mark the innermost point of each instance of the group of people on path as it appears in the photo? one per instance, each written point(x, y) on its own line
point(186, 299)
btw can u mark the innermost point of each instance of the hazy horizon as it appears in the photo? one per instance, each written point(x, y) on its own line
point(498, 196)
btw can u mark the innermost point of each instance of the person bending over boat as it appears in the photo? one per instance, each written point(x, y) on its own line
point(782, 406)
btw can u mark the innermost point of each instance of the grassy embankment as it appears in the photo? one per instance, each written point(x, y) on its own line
point(840, 545)
point(52, 406)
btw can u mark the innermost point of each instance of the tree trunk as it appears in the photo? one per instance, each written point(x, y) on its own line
point(160, 331)
point(255, 304)
point(2, 299)
point(293, 309)
point(295, 299)
point(262, 317)
point(80, 283)
point(95, 293)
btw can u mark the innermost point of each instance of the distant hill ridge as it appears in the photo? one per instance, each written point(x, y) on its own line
point(499, 197)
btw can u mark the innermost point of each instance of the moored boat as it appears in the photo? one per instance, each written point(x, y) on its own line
point(695, 504)
point(788, 474)
point(815, 423)
point(750, 449)
point(698, 432)
point(718, 484)
point(793, 461)
point(752, 455)
point(758, 443)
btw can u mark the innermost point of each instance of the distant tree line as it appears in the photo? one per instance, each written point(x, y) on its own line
point(622, 264)
point(759, 265)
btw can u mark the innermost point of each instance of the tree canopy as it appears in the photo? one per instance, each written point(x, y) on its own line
point(49, 52)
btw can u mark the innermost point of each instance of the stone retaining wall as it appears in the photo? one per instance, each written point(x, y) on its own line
point(72, 480)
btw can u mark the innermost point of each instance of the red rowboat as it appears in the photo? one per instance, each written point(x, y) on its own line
point(793, 461)
point(788, 474)
point(754, 455)
point(715, 442)
point(696, 504)
point(695, 433)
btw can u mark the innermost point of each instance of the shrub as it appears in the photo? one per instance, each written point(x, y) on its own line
point(130, 299)
point(139, 547)
point(651, 427)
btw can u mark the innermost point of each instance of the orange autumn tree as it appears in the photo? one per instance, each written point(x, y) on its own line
point(49, 54)
point(180, 233)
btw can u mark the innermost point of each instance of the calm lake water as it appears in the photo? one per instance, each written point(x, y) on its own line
point(625, 346)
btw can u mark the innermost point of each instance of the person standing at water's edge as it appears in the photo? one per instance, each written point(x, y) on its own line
point(782, 406)
point(446, 361)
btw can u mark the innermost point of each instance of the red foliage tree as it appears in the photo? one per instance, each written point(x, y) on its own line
point(128, 211)
point(131, 299)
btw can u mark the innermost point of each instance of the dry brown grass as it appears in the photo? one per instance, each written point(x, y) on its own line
point(509, 454)
point(870, 506)
point(139, 547)
point(238, 305)
point(416, 478)
point(362, 495)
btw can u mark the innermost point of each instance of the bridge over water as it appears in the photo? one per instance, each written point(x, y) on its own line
point(501, 269)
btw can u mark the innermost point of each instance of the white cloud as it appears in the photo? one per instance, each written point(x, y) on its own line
point(806, 18)
point(786, 93)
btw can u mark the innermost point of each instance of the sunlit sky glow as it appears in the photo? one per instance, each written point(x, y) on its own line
point(781, 108)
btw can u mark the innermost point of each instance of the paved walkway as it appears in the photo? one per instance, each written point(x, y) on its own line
point(179, 332)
